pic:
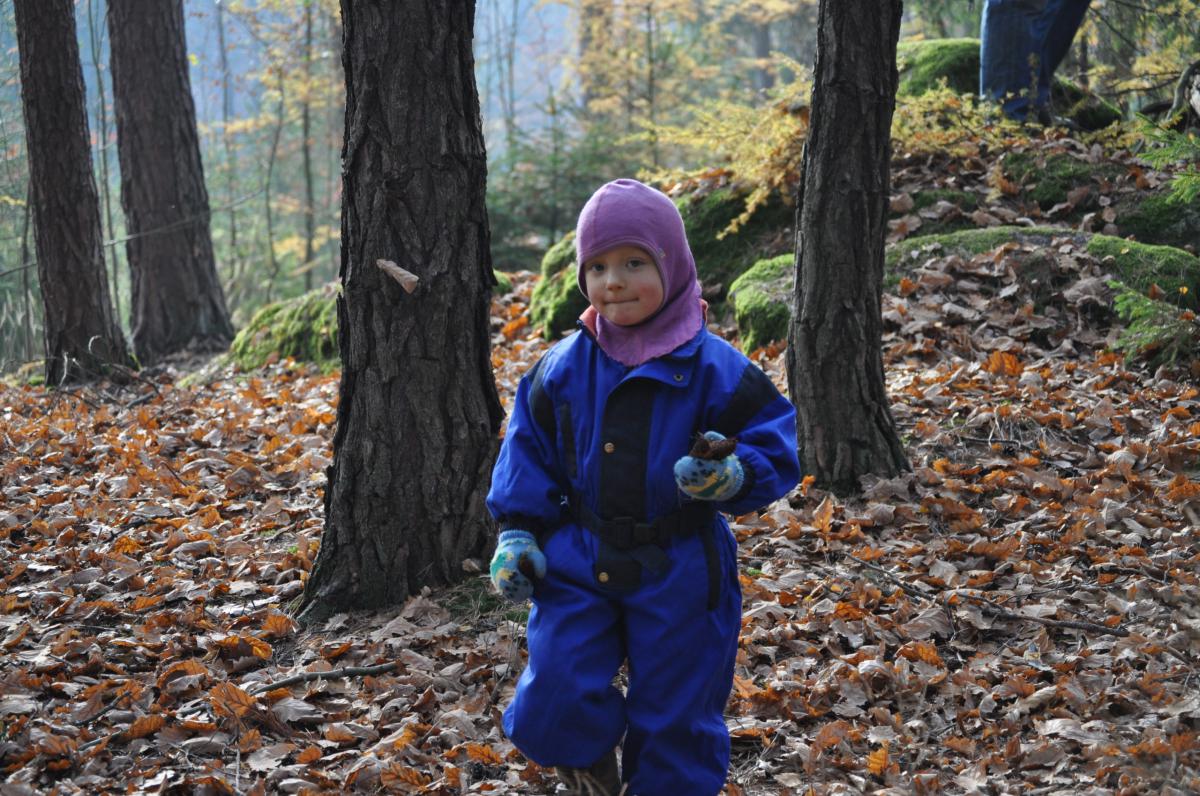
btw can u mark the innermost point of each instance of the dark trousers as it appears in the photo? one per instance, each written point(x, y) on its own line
point(1023, 42)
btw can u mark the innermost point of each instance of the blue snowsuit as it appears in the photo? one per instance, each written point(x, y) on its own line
point(590, 445)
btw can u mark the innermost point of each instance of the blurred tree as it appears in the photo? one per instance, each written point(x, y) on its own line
point(177, 302)
point(82, 337)
point(418, 414)
point(834, 359)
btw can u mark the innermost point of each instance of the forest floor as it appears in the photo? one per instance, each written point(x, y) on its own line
point(1020, 613)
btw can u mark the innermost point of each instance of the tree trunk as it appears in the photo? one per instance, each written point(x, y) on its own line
point(835, 366)
point(310, 222)
point(82, 335)
point(177, 302)
point(418, 413)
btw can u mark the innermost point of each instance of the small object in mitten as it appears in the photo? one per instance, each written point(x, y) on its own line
point(526, 568)
point(708, 449)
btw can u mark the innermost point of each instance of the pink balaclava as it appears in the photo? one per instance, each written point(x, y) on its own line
point(626, 212)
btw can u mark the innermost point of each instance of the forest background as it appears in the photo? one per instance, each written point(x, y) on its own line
point(573, 92)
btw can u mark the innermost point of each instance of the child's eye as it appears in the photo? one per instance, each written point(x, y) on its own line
point(596, 267)
point(636, 263)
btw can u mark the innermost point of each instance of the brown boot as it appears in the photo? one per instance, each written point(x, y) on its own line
point(599, 779)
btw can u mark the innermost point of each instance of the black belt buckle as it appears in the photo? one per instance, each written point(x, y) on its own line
point(627, 532)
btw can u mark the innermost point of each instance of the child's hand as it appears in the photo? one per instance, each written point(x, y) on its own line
point(710, 479)
point(517, 561)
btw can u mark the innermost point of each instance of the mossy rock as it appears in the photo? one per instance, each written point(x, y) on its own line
point(761, 300)
point(924, 64)
point(503, 284)
point(965, 201)
point(1049, 179)
point(304, 328)
point(1156, 219)
point(557, 302)
point(1138, 265)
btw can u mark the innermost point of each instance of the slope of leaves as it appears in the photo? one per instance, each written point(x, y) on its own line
point(1018, 614)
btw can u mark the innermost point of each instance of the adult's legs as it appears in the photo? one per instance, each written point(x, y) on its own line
point(565, 711)
point(1055, 28)
point(681, 656)
point(1009, 53)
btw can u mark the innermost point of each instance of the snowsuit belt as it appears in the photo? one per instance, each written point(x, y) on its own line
point(626, 533)
point(627, 545)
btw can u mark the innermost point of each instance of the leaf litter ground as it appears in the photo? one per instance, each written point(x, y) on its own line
point(1018, 614)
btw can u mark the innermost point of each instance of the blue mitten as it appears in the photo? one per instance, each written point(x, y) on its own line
point(518, 560)
point(709, 479)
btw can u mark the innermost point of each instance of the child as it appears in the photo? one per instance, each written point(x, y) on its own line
point(614, 530)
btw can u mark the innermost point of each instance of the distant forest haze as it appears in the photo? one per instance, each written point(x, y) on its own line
point(572, 92)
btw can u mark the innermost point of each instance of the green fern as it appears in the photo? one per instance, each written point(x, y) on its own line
point(1155, 331)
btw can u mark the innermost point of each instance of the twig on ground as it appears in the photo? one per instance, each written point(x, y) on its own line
point(304, 677)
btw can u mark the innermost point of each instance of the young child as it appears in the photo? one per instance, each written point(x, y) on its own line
point(615, 531)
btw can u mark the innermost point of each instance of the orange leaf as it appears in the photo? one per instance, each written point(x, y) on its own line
point(484, 754)
point(146, 725)
point(336, 651)
point(512, 327)
point(823, 517)
point(309, 755)
point(1003, 364)
point(922, 651)
point(229, 700)
point(146, 601)
point(877, 761)
point(395, 775)
point(126, 545)
point(277, 626)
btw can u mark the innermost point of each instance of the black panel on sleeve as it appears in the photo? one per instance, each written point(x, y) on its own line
point(753, 392)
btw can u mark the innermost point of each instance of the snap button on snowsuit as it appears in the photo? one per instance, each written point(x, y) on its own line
point(609, 447)
point(602, 577)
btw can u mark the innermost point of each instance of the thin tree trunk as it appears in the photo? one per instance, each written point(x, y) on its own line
point(310, 224)
point(418, 414)
point(835, 366)
point(26, 287)
point(82, 336)
point(105, 184)
point(272, 260)
point(762, 52)
point(227, 140)
point(178, 304)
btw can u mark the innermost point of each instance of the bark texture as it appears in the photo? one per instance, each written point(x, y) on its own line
point(835, 366)
point(82, 335)
point(177, 302)
point(418, 413)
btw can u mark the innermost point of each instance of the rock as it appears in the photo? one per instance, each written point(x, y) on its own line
point(304, 328)
point(924, 64)
point(761, 300)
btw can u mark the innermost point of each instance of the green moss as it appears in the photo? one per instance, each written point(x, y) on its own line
point(304, 328)
point(1085, 109)
point(968, 242)
point(761, 301)
point(503, 284)
point(559, 256)
point(961, 199)
point(719, 261)
point(1141, 265)
point(1048, 180)
point(1156, 219)
point(923, 64)
point(556, 303)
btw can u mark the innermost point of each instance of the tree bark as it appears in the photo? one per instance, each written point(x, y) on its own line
point(81, 332)
point(177, 302)
point(835, 366)
point(418, 413)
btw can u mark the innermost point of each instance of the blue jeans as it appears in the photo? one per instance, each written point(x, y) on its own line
point(1023, 42)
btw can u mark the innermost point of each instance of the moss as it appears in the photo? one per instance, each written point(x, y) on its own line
point(556, 303)
point(1048, 180)
point(559, 256)
point(503, 284)
point(719, 261)
point(967, 242)
point(304, 328)
point(923, 64)
point(1141, 265)
point(761, 301)
point(1156, 219)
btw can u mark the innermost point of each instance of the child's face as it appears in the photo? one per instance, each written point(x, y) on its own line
point(624, 285)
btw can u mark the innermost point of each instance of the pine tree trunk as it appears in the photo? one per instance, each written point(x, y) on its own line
point(82, 335)
point(177, 302)
point(418, 413)
point(835, 365)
